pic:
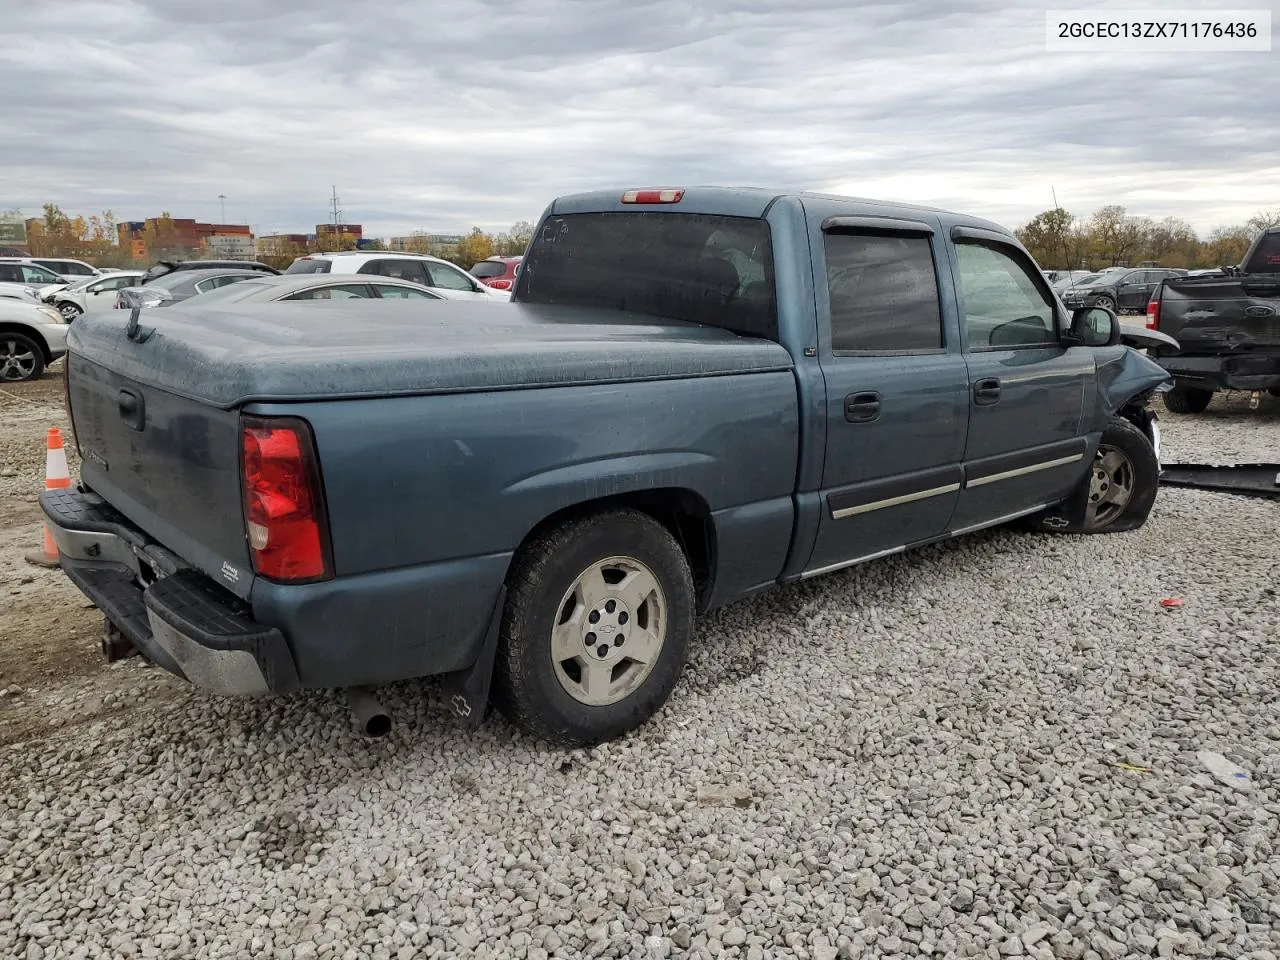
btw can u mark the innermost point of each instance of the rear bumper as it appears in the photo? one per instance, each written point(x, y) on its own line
point(1243, 372)
point(176, 616)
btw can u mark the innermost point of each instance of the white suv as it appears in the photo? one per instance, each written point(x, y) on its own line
point(415, 267)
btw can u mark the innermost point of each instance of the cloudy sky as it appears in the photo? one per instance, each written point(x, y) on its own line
point(443, 114)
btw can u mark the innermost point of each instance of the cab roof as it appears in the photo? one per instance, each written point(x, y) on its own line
point(755, 202)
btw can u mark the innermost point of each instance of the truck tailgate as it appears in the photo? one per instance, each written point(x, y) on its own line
point(1222, 314)
point(168, 463)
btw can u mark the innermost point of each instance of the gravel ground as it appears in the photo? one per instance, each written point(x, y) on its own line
point(995, 747)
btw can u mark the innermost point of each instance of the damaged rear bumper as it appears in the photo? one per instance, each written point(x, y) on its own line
point(176, 616)
point(1243, 372)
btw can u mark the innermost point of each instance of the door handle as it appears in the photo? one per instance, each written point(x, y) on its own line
point(986, 391)
point(861, 407)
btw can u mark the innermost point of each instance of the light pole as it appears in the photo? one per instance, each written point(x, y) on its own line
point(222, 199)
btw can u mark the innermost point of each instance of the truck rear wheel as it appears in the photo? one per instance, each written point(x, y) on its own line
point(1188, 399)
point(596, 628)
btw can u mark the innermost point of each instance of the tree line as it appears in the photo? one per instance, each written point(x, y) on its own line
point(95, 239)
point(1058, 239)
point(1112, 238)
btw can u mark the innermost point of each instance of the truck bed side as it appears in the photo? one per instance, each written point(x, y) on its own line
point(430, 496)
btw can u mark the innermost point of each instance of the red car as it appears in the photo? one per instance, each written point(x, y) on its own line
point(497, 272)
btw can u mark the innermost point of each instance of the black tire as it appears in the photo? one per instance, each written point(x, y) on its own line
point(1107, 302)
point(21, 358)
point(69, 310)
point(528, 686)
point(1123, 437)
point(1188, 399)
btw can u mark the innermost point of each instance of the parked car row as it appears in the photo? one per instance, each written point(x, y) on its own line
point(428, 271)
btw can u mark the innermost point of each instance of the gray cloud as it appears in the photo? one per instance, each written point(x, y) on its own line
point(462, 112)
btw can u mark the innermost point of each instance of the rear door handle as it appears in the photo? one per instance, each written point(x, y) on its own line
point(986, 391)
point(862, 407)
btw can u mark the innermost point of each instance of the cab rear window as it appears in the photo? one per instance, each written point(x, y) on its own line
point(711, 270)
point(1266, 256)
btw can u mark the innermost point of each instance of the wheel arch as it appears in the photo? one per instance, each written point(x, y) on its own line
point(684, 512)
point(9, 326)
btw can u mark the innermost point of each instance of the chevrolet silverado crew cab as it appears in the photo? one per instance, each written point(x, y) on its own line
point(694, 395)
point(1227, 326)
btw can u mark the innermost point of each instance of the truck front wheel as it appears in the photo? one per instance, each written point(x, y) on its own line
point(1188, 399)
point(596, 628)
point(1123, 480)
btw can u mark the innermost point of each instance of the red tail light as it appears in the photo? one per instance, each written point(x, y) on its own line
point(1153, 313)
point(284, 513)
point(652, 196)
point(500, 284)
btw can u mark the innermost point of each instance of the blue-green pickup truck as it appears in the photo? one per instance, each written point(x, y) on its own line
point(694, 394)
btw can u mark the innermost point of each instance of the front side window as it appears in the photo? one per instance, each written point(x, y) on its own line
point(448, 278)
point(884, 294)
point(1003, 306)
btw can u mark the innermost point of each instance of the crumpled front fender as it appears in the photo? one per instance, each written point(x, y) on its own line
point(1124, 375)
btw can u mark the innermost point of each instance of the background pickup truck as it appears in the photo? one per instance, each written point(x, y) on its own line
point(696, 394)
point(1227, 326)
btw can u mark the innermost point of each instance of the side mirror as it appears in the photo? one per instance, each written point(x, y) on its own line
point(1095, 327)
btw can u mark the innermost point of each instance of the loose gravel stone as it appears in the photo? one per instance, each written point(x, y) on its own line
point(984, 748)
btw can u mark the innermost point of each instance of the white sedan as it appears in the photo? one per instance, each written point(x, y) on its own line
point(91, 293)
point(32, 336)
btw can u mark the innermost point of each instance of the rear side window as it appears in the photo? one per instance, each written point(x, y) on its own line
point(488, 268)
point(346, 291)
point(406, 269)
point(884, 294)
point(388, 292)
point(304, 265)
point(698, 268)
point(448, 278)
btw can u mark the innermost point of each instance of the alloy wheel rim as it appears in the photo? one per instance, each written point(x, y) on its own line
point(1111, 485)
point(611, 625)
point(14, 364)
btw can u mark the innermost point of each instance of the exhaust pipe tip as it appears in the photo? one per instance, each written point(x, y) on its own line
point(370, 719)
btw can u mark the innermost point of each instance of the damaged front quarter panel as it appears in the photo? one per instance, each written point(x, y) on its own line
point(1125, 376)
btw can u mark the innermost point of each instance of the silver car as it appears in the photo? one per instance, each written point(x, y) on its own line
point(32, 336)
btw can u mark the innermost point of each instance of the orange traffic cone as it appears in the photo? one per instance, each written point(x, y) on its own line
point(56, 476)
